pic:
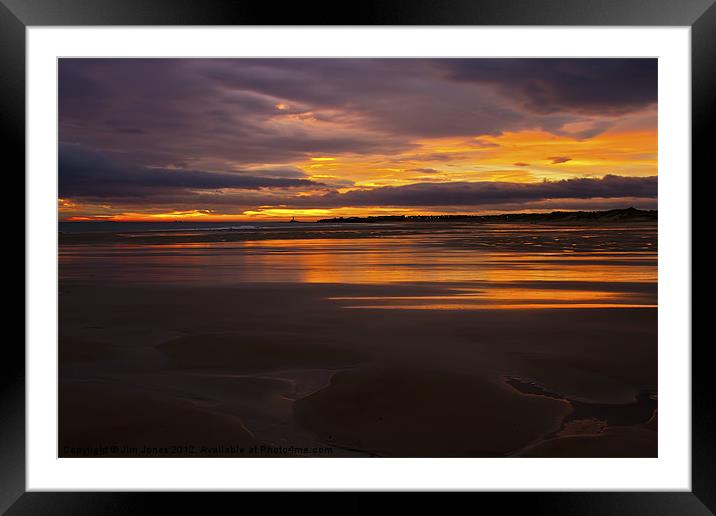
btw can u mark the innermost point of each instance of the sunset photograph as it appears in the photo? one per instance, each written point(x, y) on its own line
point(357, 257)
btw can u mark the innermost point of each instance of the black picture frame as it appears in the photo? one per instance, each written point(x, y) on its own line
point(17, 15)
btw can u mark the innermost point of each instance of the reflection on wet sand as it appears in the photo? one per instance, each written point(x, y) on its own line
point(492, 268)
point(379, 340)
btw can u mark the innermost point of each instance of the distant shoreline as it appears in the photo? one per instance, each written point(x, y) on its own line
point(624, 215)
point(618, 215)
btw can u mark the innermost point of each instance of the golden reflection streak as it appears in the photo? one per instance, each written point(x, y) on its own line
point(501, 294)
point(394, 260)
point(496, 299)
point(511, 306)
point(358, 261)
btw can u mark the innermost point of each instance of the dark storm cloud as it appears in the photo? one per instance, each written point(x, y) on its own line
point(170, 112)
point(610, 190)
point(285, 173)
point(475, 194)
point(594, 86)
point(207, 112)
point(85, 173)
point(459, 194)
point(404, 96)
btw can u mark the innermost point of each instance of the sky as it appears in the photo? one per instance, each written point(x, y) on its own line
point(270, 139)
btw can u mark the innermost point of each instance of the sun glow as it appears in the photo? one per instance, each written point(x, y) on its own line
point(512, 157)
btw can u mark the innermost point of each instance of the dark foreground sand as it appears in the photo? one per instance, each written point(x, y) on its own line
point(100, 419)
point(212, 371)
point(422, 412)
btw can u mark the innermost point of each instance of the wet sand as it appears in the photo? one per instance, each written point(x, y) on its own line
point(180, 364)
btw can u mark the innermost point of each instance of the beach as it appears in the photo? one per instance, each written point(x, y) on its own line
point(439, 339)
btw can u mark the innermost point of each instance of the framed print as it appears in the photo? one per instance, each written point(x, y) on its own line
point(412, 249)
